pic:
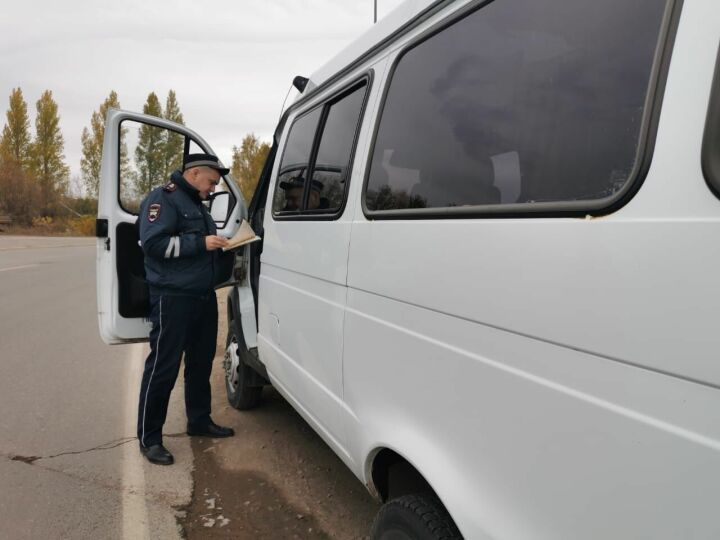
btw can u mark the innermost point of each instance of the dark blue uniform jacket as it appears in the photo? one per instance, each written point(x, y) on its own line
point(173, 226)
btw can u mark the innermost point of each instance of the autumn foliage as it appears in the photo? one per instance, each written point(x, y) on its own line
point(36, 190)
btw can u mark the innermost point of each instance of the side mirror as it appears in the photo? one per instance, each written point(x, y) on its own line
point(220, 206)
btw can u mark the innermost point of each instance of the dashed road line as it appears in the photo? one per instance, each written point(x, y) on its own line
point(18, 267)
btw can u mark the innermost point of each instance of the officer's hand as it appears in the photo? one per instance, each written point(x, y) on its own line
point(215, 242)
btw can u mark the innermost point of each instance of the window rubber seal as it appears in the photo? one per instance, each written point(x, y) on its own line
point(710, 157)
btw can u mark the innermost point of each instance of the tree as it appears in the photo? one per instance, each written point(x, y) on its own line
point(15, 140)
point(247, 163)
point(47, 152)
point(174, 142)
point(92, 145)
point(150, 150)
point(19, 194)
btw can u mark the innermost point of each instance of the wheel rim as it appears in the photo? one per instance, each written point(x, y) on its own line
point(232, 365)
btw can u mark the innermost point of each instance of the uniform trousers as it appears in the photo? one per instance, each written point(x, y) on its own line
point(180, 323)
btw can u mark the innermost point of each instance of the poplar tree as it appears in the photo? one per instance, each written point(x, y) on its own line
point(48, 159)
point(174, 142)
point(150, 151)
point(247, 164)
point(15, 141)
point(18, 190)
point(92, 146)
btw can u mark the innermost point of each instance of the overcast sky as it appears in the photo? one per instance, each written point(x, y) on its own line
point(230, 62)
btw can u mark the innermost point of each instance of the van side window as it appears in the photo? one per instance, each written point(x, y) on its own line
point(520, 102)
point(333, 127)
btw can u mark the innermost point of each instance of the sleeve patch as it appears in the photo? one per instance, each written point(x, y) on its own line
point(153, 212)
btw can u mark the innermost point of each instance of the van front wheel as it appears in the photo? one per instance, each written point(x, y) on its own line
point(238, 374)
point(414, 517)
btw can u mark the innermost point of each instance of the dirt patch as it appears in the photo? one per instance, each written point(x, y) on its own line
point(243, 505)
point(275, 479)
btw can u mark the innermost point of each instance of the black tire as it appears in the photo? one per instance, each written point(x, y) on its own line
point(414, 517)
point(240, 394)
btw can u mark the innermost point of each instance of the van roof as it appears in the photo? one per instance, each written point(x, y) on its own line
point(404, 15)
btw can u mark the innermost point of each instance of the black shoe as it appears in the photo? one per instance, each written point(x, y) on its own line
point(157, 454)
point(210, 430)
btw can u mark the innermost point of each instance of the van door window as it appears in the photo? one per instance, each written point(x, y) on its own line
point(320, 146)
point(295, 163)
point(518, 103)
point(148, 155)
point(332, 164)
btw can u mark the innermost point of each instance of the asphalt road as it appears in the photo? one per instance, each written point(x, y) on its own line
point(69, 462)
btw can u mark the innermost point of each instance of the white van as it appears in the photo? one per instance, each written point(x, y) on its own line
point(489, 268)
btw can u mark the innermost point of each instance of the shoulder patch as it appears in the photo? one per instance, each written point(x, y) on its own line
point(153, 212)
point(170, 187)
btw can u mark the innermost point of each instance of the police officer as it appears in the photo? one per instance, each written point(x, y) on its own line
point(178, 238)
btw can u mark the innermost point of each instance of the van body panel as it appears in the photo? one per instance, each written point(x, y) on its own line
point(525, 439)
point(609, 287)
point(303, 349)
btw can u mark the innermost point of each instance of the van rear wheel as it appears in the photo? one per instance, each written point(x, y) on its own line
point(414, 517)
point(238, 374)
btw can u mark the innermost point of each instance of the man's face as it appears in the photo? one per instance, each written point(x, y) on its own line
point(314, 199)
point(293, 198)
point(204, 179)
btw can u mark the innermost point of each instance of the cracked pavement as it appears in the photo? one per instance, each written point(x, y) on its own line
point(69, 461)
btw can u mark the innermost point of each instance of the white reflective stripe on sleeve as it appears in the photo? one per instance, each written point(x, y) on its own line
point(168, 250)
point(173, 245)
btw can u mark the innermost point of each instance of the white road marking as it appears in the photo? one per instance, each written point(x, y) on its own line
point(18, 267)
point(48, 246)
point(134, 507)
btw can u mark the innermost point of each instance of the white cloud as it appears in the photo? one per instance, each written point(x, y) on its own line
point(231, 63)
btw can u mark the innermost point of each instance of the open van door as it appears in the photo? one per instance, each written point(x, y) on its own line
point(139, 154)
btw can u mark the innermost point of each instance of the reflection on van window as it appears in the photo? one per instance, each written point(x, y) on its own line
point(295, 163)
point(148, 155)
point(333, 158)
point(519, 102)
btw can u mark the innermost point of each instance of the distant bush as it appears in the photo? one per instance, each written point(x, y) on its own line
point(58, 226)
point(81, 226)
point(43, 223)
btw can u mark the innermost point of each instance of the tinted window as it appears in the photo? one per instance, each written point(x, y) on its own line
point(332, 163)
point(519, 102)
point(295, 163)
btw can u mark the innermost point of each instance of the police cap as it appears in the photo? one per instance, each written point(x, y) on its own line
point(204, 160)
point(299, 182)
